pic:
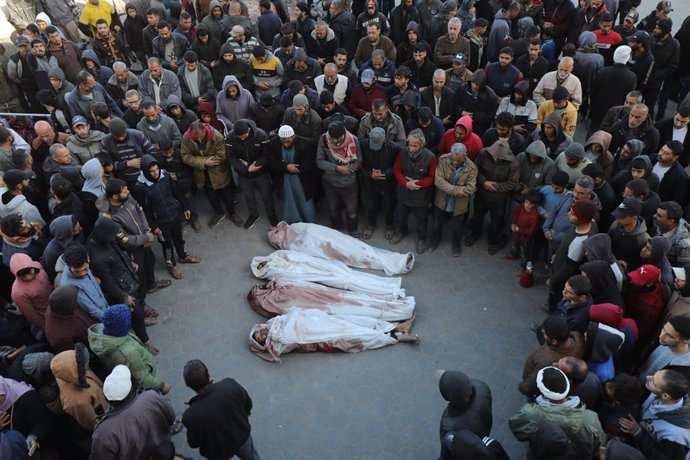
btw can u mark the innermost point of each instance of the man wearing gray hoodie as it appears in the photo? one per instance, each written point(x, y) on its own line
point(233, 102)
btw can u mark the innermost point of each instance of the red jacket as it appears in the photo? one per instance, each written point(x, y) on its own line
point(472, 142)
point(360, 102)
point(527, 223)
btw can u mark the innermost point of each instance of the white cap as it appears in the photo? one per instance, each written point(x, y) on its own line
point(622, 54)
point(118, 384)
point(286, 131)
point(679, 272)
point(548, 393)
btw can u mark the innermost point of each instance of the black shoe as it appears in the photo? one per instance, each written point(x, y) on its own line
point(493, 249)
point(470, 240)
point(237, 220)
point(421, 246)
point(251, 220)
point(215, 220)
point(397, 238)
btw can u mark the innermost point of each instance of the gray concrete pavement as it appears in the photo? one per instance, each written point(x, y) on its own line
point(471, 315)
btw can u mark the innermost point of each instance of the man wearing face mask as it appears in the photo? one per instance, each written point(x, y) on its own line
point(561, 77)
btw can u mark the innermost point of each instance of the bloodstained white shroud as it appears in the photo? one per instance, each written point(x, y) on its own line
point(326, 243)
point(313, 330)
point(280, 296)
point(291, 265)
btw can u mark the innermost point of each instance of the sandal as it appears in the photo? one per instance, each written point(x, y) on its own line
point(160, 284)
point(150, 312)
point(176, 427)
point(366, 234)
point(150, 321)
point(175, 272)
point(388, 233)
point(190, 260)
point(154, 350)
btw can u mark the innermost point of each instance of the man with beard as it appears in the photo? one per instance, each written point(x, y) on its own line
point(383, 68)
point(560, 16)
point(673, 180)
point(637, 125)
point(85, 144)
point(439, 98)
point(402, 83)
point(343, 23)
point(110, 46)
point(215, 22)
point(88, 91)
point(676, 128)
point(462, 133)
point(242, 45)
point(642, 60)
point(458, 74)
point(400, 17)
point(228, 64)
point(522, 108)
point(627, 28)
point(415, 170)
point(450, 44)
point(434, 29)
point(303, 119)
point(158, 128)
point(126, 147)
point(157, 83)
point(321, 43)
point(293, 161)
point(67, 54)
point(371, 15)
point(502, 76)
point(364, 94)
point(304, 24)
point(336, 84)
point(20, 236)
point(591, 15)
point(373, 41)
point(561, 77)
point(431, 126)
point(120, 82)
point(169, 47)
point(234, 102)
point(422, 68)
point(133, 114)
point(302, 68)
point(477, 101)
point(14, 200)
point(338, 155)
point(40, 62)
point(207, 48)
point(196, 82)
point(344, 66)
point(378, 180)
point(662, 10)
point(666, 52)
point(533, 66)
point(456, 181)
point(381, 116)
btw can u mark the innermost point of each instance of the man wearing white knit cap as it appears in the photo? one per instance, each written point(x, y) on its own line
point(293, 162)
point(580, 424)
point(138, 425)
point(610, 86)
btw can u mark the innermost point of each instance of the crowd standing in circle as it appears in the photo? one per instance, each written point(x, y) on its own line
point(373, 111)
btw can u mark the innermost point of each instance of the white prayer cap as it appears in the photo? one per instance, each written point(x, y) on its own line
point(118, 384)
point(552, 394)
point(622, 54)
point(286, 131)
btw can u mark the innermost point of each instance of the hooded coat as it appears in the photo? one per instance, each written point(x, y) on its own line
point(604, 288)
point(612, 315)
point(193, 155)
point(605, 160)
point(80, 105)
point(469, 406)
point(622, 133)
point(164, 129)
point(482, 105)
point(169, 85)
point(472, 141)
point(645, 304)
point(61, 230)
point(525, 112)
point(83, 404)
point(240, 69)
point(497, 163)
point(216, 27)
point(127, 350)
point(188, 116)
point(12, 204)
point(627, 245)
point(598, 247)
point(534, 175)
point(162, 201)
point(559, 143)
point(660, 246)
point(65, 323)
point(228, 109)
point(621, 179)
point(30, 297)
point(102, 73)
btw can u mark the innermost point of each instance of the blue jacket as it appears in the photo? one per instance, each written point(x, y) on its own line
point(90, 297)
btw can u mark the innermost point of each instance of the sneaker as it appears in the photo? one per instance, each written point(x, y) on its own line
point(215, 220)
point(251, 220)
point(237, 220)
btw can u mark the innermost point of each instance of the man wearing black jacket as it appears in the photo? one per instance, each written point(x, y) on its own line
point(677, 128)
point(673, 185)
point(666, 52)
point(217, 419)
point(478, 101)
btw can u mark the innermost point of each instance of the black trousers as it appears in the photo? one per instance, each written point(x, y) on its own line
point(421, 215)
point(173, 239)
point(337, 198)
point(223, 195)
point(497, 212)
point(376, 196)
point(441, 217)
point(262, 185)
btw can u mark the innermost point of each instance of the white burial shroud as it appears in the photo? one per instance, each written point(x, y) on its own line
point(313, 330)
point(296, 266)
point(324, 242)
point(279, 297)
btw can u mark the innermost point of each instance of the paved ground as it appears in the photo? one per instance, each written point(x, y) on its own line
point(471, 315)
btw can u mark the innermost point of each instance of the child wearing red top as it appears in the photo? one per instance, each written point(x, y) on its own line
point(524, 226)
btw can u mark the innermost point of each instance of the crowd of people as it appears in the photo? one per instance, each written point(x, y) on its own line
point(551, 117)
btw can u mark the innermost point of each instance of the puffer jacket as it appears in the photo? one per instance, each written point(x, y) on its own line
point(110, 263)
point(467, 183)
point(85, 149)
point(83, 404)
point(127, 350)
